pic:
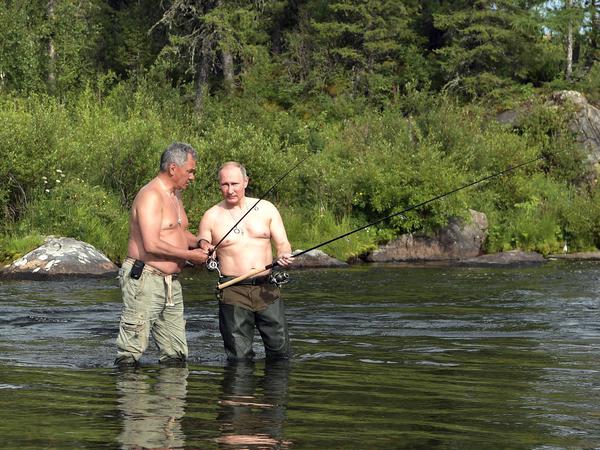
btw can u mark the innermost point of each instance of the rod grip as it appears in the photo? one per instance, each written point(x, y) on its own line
point(242, 277)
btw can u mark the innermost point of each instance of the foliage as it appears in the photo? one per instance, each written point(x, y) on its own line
point(21, 69)
point(391, 103)
point(312, 226)
point(13, 247)
point(489, 46)
point(75, 209)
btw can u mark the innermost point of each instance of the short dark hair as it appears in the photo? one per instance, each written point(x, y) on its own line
point(176, 153)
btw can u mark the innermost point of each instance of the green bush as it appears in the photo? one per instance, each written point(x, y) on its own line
point(12, 247)
point(75, 209)
point(309, 227)
point(95, 150)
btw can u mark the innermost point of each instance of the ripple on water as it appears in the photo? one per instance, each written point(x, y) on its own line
point(11, 386)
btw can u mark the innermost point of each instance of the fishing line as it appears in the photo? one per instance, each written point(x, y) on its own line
point(258, 201)
point(410, 208)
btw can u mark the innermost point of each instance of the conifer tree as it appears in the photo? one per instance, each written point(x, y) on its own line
point(488, 44)
point(371, 46)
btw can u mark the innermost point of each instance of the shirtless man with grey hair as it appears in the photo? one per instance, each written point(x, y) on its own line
point(158, 248)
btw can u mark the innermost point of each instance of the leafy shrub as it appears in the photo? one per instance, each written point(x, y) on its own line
point(75, 209)
point(12, 247)
point(310, 227)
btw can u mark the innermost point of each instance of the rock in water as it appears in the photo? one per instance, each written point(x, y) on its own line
point(512, 258)
point(317, 258)
point(61, 257)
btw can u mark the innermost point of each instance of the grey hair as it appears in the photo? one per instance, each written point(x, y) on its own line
point(176, 153)
point(232, 163)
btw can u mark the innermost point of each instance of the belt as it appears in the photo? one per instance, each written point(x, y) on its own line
point(168, 278)
point(256, 281)
point(153, 270)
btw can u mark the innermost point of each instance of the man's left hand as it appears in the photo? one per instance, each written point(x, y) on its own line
point(285, 260)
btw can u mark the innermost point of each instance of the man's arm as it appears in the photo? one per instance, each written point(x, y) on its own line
point(192, 240)
point(149, 217)
point(204, 237)
point(283, 248)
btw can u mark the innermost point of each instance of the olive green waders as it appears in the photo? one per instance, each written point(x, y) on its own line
point(152, 304)
point(249, 304)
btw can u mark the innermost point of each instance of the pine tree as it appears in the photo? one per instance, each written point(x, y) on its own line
point(370, 46)
point(487, 45)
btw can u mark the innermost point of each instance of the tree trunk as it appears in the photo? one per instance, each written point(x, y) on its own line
point(569, 68)
point(201, 81)
point(227, 61)
point(51, 49)
point(595, 34)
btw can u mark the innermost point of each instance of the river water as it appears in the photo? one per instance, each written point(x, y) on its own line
point(385, 357)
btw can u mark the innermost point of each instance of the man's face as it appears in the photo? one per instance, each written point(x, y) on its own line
point(183, 175)
point(233, 184)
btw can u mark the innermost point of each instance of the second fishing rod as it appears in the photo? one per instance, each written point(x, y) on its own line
point(375, 222)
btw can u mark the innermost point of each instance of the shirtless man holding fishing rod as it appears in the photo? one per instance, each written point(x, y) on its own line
point(253, 302)
point(158, 248)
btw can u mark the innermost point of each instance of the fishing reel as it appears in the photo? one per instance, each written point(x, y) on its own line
point(279, 278)
point(212, 264)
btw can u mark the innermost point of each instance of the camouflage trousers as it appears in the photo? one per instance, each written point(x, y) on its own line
point(152, 305)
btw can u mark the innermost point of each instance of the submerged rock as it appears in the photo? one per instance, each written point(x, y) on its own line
point(61, 257)
point(317, 258)
point(510, 258)
point(579, 256)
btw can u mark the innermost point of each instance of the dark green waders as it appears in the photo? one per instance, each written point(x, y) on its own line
point(262, 308)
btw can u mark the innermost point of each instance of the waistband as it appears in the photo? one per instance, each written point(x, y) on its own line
point(256, 281)
point(152, 270)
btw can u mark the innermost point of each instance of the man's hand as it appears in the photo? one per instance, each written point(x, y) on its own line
point(205, 245)
point(285, 260)
point(199, 256)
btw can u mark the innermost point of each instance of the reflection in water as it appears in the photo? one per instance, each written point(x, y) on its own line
point(152, 409)
point(252, 407)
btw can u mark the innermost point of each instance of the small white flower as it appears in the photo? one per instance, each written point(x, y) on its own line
point(58, 181)
point(62, 175)
point(44, 178)
point(47, 190)
point(58, 171)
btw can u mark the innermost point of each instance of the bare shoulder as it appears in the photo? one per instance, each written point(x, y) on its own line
point(267, 208)
point(146, 195)
point(213, 212)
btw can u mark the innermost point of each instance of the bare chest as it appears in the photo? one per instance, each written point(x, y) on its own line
point(252, 226)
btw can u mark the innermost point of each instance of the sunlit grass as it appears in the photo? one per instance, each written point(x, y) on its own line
point(13, 247)
point(308, 228)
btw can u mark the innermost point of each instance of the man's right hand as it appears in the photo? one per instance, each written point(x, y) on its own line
point(199, 256)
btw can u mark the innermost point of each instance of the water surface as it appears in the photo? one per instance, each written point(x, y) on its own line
point(385, 357)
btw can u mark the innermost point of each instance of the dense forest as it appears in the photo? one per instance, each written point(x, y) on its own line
point(393, 102)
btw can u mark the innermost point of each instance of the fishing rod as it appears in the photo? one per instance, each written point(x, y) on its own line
point(410, 208)
point(258, 201)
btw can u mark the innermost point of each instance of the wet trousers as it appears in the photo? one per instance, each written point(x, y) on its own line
point(146, 312)
point(241, 309)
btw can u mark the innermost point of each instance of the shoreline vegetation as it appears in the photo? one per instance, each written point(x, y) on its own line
point(74, 167)
point(395, 104)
